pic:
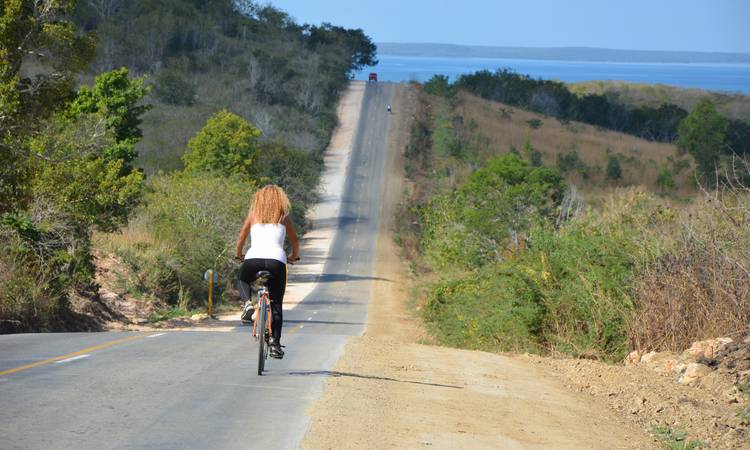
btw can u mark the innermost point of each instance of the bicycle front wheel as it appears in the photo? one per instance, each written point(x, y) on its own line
point(261, 332)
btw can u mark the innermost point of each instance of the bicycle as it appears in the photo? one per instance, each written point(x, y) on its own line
point(262, 324)
point(262, 316)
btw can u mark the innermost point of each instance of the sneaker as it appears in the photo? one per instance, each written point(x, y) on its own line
point(248, 313)
point(275, 350)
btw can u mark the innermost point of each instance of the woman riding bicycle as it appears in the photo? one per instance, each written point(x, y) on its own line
point(268, 223)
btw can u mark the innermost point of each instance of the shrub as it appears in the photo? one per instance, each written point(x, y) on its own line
point(472, 225)
point(493, 310)
point(28, 299)
point(533, 155)
point(418, 150)
point(571, 161)
point(614, 170)
point(192, 223)
point(173, 88)
point(583, 276)
point(534, 123)
point(665, 179)
point(445, 138)
point(42, 257)
point(570, 291)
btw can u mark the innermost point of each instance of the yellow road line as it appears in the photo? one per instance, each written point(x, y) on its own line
point(70, 355)
point(293, 330)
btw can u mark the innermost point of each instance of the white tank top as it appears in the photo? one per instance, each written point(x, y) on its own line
point(267, 242)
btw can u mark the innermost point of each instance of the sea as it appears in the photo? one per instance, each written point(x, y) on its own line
point(728, 78)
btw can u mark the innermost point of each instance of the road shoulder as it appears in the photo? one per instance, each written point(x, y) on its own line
point(388, 390)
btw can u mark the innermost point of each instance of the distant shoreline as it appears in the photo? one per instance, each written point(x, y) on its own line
point(572, 54)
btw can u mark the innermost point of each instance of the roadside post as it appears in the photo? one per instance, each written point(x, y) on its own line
point(210, 276)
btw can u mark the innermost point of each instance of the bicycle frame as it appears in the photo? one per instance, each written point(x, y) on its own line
point(263, 297)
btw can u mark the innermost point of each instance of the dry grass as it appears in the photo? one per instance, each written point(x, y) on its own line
point(494, 127)
point(701, 288)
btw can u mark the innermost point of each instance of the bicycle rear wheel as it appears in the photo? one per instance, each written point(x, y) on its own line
point(261, 332)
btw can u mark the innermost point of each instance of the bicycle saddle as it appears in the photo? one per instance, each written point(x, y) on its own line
point(263, 274)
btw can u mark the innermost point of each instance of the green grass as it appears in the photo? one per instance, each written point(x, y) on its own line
point(744, 415)
point(744, 387)
point(676, 439)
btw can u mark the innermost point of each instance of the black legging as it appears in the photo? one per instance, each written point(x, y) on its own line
point(276, 287)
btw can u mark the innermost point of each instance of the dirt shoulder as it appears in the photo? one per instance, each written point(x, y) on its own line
point(671, 394)
point(390, 391)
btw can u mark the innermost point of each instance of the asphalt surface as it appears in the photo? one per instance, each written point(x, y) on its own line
point(196, 389)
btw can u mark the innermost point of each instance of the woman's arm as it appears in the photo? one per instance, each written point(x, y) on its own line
point(243, 235)
point(292, 235)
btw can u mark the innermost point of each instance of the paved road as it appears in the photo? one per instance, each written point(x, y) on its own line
point(198, 389)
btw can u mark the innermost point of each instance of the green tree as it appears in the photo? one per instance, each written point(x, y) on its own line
point(506, 195)
point(702, 134)
point(118, 98)
point(227, 144)
point(75, 175)
point(33, 33)
point(361, 50)
point(439, 85)
point(76, 181)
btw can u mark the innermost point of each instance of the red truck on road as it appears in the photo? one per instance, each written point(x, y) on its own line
point(373, 77)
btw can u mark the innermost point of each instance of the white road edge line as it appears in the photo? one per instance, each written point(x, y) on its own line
point(72, 358)
point(156, 335)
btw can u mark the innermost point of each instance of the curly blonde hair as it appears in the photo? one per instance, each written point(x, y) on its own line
point(270, 205)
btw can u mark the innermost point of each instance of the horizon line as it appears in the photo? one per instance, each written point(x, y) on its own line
point(582, 47)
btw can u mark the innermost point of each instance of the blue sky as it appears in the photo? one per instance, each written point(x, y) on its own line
point(700, 25)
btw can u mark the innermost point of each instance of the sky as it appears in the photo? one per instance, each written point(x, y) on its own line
point(690, 25)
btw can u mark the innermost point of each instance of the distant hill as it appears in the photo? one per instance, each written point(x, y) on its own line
point(560, 53)
point(247, 57)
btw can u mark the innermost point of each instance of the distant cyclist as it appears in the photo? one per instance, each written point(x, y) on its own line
point(268, 224)
point(389, 108)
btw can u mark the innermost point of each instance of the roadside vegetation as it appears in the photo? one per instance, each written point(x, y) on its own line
point(536, 234)
point(556, 100)
point(731, 105)
point(154, 164)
